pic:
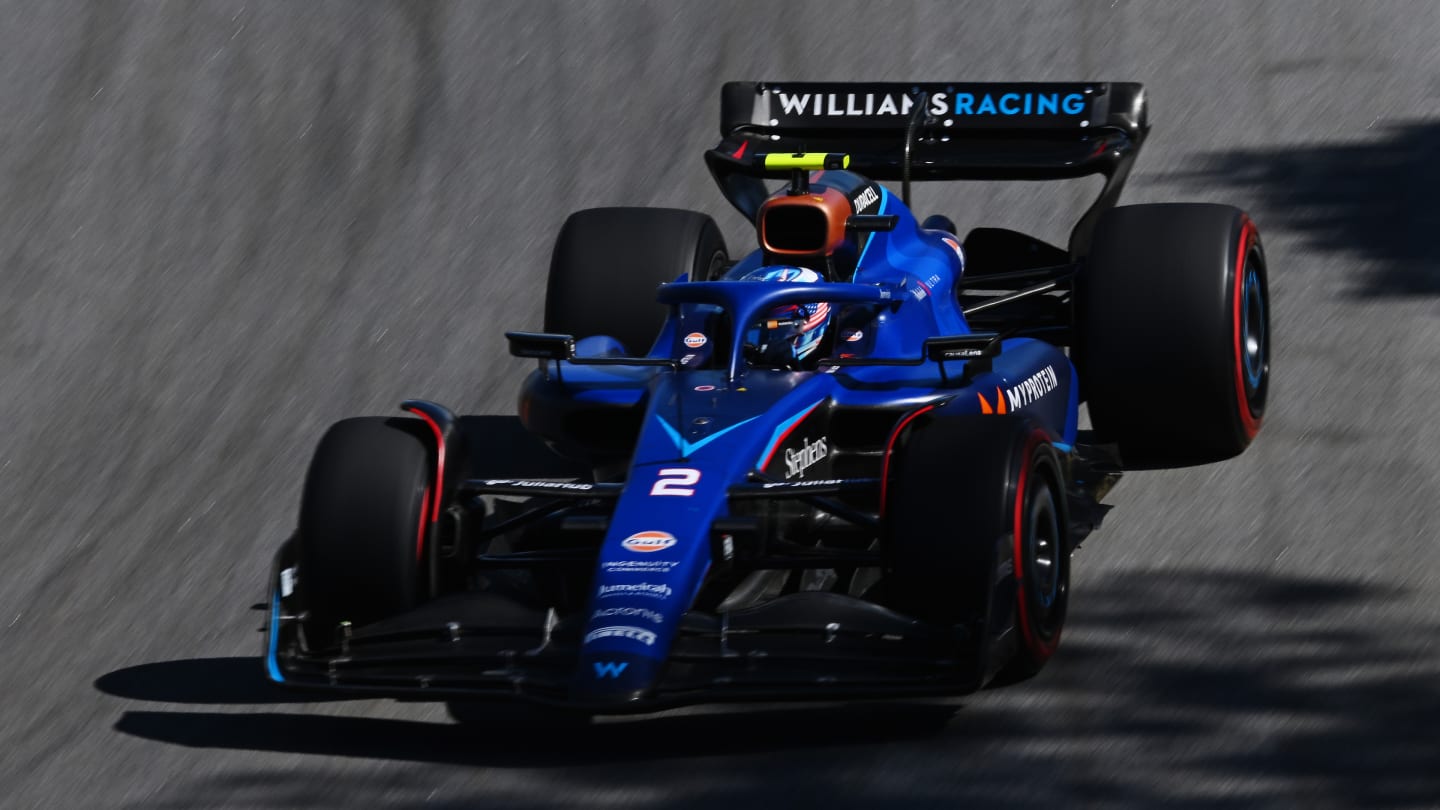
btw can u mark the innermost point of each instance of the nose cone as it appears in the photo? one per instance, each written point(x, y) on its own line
point(613, 679)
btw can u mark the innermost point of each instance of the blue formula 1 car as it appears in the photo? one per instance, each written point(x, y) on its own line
point(849, 464)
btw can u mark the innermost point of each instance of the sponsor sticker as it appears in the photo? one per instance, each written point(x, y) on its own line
point(809, 454)
point(703, 388)
point(695, 340)
point(818, 482)
point(852, 337)
point(867, 197)
point(1033, 387)
point(654, 590)
point(610, 669)
point(638, 566)
point(647, 542)
point(512, 482)
point(639, 634)
point(948, 104)
point(629, 613)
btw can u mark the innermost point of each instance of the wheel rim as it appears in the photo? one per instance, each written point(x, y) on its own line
point(1254, 335)
point(1043, 548)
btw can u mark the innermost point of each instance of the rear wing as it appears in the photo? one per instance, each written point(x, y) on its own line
point(935, 131)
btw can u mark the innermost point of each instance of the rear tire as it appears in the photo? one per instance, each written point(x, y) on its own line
point(609, 261)
point(975, 510)
point(1175, 333)
point(362, 523)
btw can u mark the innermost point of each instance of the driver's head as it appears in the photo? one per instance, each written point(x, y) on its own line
point(791, 333)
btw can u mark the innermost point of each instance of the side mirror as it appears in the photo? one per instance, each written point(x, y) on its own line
point(541, 345)
point(872, 223)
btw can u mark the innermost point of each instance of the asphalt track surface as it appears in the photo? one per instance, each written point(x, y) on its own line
point(225, 225)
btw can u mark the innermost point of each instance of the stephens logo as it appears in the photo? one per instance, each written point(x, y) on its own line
point(695, 340)
point(650, 589)
point(798, 461)
point(646, 542)
point(639, 634)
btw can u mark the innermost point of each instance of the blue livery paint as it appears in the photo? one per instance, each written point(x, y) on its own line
point(716, 419)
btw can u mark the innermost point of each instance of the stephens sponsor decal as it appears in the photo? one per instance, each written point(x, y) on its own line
point(943, 105)
point(809, 454)
point(647, 542)
point(629, 613)
point(654, 590)
point(639, 634)
point(695, 340)
point(638, 566)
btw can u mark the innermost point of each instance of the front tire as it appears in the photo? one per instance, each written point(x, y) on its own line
point(977, 533)
point(362, 524)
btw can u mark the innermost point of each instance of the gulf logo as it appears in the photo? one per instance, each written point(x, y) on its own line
point(695, 340)
point(646, 542)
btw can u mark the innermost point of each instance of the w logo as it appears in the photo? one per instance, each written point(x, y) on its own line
point(609, 669)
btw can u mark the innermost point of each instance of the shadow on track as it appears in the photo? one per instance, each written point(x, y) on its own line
point(1275, 691)
point(227, 681)
point(513, 746)
point(1374, 200)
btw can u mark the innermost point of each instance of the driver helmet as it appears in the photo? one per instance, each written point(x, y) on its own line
point(791, 333)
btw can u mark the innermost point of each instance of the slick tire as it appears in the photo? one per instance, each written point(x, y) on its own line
point(1174, 326)
point(362, 524)
point(608, 263)
point(976, 532)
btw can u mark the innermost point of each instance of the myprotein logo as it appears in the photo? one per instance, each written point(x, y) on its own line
point(653, 590)
point(809, 454)
point(943, 105)
point(1034, 387)
point(647, 542)
point(639, 634)
point(629, 613)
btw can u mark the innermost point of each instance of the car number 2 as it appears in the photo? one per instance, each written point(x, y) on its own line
point(676, 481)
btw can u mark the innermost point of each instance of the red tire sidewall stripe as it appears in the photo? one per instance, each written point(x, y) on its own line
point(438, 487)
point(420, 529)
point(1040, 648)
point(1248, 422)
point(890, 451)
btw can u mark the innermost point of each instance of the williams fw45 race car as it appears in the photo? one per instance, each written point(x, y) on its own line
point(846, 464)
